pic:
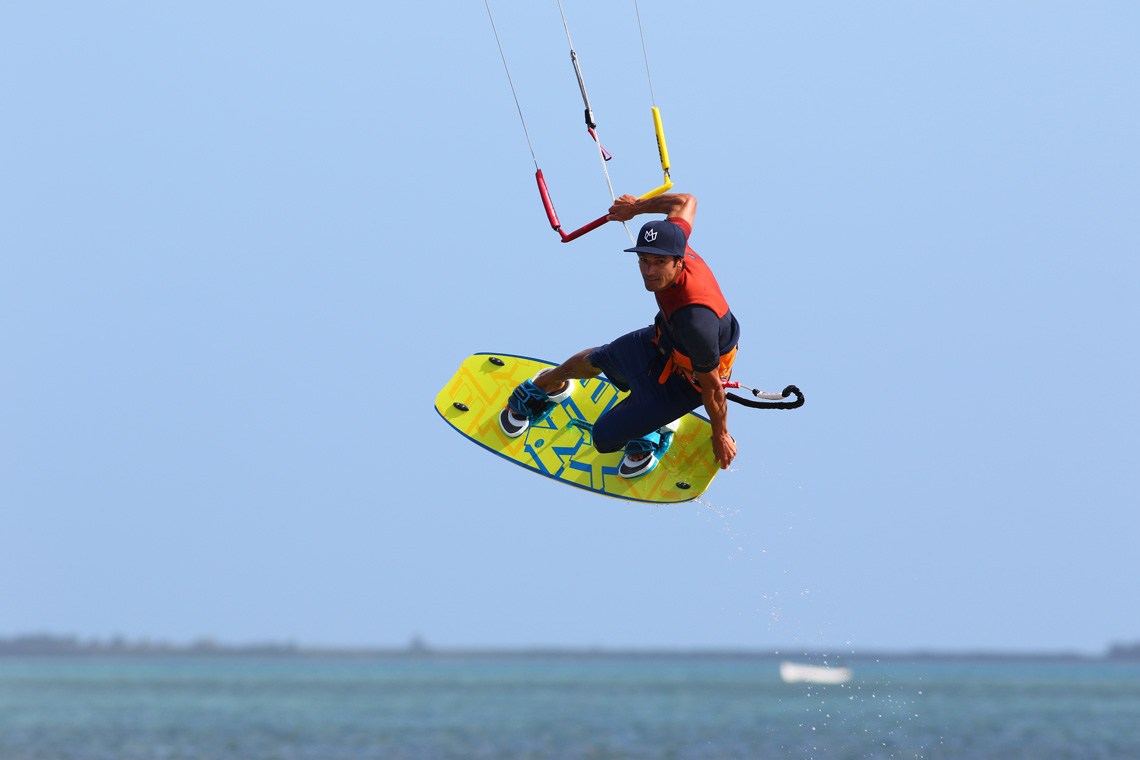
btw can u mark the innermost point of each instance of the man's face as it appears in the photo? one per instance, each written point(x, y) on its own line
point(658, 272)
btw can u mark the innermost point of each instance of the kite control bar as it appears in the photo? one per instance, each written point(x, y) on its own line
point(552, 215)
point(773, 401)
point(662, 151)
point(592, 128)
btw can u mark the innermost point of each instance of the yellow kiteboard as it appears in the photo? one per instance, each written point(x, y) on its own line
point(560, 449)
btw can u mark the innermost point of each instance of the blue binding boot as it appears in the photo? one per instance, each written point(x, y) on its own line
point(652, 446)
point(529, 405)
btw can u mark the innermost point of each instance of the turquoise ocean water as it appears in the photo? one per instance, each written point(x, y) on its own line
point(538, 708)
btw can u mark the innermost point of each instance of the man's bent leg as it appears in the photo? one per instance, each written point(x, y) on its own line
point(631, 363)
point(641, 413)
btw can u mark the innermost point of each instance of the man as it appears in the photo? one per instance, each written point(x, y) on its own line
point(670, 368)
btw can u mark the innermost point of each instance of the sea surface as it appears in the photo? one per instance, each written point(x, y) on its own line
point(554, 707)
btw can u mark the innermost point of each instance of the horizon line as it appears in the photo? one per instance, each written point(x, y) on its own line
point(54, 644)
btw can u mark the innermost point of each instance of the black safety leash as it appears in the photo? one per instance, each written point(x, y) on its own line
point(768, 404)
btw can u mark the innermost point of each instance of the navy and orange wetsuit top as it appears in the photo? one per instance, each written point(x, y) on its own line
point(696, 331)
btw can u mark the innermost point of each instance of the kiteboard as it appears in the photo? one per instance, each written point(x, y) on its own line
point(561, 446)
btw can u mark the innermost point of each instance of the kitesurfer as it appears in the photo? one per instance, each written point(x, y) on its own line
point(670, 367)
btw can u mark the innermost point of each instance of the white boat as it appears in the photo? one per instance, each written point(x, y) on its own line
point(798, 672)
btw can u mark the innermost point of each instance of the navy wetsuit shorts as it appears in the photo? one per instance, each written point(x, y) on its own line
point(633, 364)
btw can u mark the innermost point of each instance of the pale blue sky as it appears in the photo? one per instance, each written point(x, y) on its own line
point(244, 245)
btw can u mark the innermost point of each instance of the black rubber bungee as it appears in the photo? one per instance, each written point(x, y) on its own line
point(772, 404)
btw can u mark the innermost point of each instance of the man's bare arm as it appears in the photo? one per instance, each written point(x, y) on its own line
point(716, 404)
point(680, 205)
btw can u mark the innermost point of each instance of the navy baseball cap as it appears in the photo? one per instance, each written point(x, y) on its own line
point(662, 238)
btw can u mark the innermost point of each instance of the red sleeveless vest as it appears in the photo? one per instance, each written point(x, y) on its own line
point(695, 285)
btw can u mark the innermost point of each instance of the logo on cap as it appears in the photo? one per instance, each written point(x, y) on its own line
point(660, 238)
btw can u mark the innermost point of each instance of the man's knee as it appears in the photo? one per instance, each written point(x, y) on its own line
point(613, 431)
point(607, 445)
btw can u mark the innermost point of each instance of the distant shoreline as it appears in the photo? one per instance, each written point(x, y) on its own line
point(46, 645)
